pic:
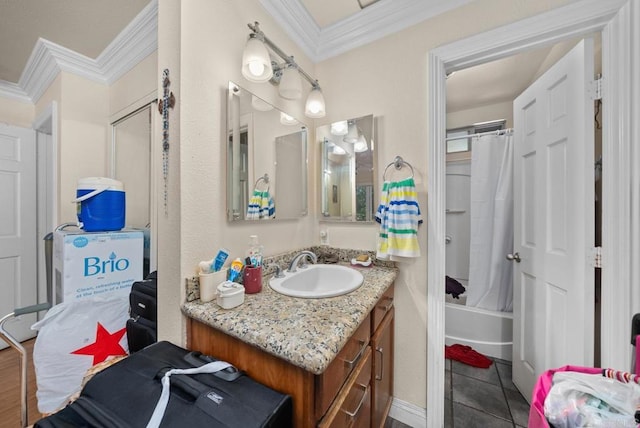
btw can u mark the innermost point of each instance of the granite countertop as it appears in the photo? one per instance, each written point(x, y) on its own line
point(308, 333)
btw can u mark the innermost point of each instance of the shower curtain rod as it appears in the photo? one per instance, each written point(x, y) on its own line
point(498, 132)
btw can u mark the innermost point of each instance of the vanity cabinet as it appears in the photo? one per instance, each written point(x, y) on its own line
point(355, 390)
point(382, 325)
point(382, 375)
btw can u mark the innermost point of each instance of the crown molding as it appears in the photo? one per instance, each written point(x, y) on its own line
point(47, 60)
point(296, 21)
point(138, 40)
point(13, 91)
point(374, 22)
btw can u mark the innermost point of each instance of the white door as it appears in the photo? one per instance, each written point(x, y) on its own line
point(554, 220)
point(18, 259)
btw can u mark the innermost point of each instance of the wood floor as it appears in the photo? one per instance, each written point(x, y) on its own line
point(10, 391)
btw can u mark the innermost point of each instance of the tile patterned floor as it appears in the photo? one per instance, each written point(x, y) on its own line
point(477, 397)
point(392, 423)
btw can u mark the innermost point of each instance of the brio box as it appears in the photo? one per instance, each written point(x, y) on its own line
point(92, 264)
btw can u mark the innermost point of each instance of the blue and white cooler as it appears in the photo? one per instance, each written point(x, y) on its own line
point(101, 204)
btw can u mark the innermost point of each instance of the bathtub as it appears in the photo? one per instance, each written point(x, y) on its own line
point(488, 332)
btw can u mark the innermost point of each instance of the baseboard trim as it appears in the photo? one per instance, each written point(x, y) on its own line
point(409, 414)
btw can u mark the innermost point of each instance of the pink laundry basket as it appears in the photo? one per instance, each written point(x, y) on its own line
point(541, 389)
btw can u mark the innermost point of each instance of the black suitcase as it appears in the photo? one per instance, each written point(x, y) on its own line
point(125, 396)
point(141, 333)
point(142, 326)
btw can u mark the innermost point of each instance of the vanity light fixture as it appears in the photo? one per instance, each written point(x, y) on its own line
point(352, 134)
point(290, 83)
point(256, 63)
point(360, 145)
point(339, 128)
point(257, 66)
point(337, 150)
point(314, 108)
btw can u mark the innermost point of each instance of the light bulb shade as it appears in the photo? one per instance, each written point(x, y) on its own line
point(290, 84)
point(360, 145)
point(315, 108)
point(339, 128)
point(256, 64)
point(285, 119)
point(352, 135)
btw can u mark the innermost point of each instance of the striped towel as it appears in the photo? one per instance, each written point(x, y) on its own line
point(261, 206)
point(399, 217)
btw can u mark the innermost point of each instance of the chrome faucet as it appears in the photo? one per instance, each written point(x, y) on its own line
point(301, 255)
point(278, 273)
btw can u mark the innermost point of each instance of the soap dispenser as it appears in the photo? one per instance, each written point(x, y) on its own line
point(255, 251)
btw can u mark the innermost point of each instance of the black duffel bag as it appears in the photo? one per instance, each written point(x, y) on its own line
point(126, 394)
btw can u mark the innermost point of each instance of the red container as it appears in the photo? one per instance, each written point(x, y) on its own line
point(252, 279)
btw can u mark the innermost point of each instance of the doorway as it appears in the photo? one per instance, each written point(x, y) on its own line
point(131, 162)
point(479, 195)
point(570, 21)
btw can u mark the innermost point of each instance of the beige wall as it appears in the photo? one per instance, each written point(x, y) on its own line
point(210, 36)
point(389, 78)
point(82, 134)
point(83, 110)
point(201, 43)
point(17, 113)
point(134, 85)
point(459, 119)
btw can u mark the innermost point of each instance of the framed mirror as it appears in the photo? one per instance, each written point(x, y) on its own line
point(266, 160)
point(348, 170)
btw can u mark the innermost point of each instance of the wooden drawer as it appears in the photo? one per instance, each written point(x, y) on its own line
point(384, 305)
point(352, 407)
point(329, 383)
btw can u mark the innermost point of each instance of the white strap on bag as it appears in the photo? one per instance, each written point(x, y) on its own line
point(161, 406)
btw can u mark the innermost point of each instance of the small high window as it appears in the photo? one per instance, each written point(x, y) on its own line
point(461, 144)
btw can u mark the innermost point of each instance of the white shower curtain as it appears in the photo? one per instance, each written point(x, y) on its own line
point(490, 273)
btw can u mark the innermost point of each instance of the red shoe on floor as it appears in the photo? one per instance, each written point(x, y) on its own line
point(467, 355)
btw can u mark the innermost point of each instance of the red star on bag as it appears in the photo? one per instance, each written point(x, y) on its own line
point(106, 345)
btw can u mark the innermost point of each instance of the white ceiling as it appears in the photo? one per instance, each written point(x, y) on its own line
point(88, 26)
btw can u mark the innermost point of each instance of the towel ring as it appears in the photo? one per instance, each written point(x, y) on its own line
point(398, 163)
point(264, 178)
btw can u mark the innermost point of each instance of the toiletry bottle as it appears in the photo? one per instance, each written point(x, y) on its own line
point(255, 251)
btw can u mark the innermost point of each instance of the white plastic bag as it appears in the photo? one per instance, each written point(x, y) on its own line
point(589, 400)
point(72, 337)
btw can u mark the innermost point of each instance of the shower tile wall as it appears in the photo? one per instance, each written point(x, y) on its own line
point(458, 204)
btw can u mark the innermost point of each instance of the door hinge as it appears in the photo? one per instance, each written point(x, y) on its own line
point(596, 257)
point(595, 88)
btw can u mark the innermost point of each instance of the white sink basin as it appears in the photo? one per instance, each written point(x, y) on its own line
point(317, 281)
